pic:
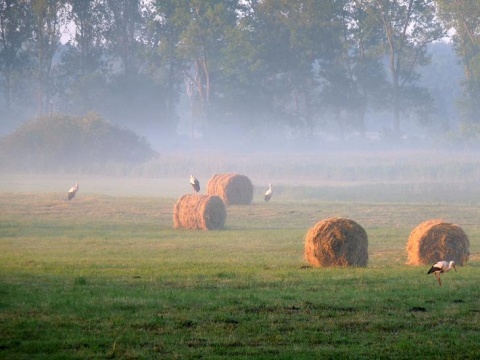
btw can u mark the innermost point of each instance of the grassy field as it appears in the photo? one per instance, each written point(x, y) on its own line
point(106, 276)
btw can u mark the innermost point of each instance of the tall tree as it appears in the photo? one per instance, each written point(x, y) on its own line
point(88, 17)
point(167, 23)
point(408, 26)
point(296, 38)
point(83, 67)
point(201, 45)
point(14, 34)
point(133, 96)
point(464, 17)
point(49, 18)
point(124, 33)
point(357, 79)
point(244, 102)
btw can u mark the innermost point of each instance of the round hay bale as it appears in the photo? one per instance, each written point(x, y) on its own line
point(336, 242)
point(199, 212)
point(233, 189)
point(435, 240)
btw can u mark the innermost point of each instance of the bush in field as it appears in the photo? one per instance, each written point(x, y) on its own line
point(64, 142)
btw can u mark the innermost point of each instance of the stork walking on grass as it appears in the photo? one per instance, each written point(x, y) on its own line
point(268, 194)
point(441, 267)
point(195, 183)
point(73, 190)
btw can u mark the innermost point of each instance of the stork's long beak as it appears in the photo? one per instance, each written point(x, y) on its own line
point(454, 268)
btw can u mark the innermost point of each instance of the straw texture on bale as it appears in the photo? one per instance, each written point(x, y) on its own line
point(435, 240)
point(336, 242)
point(199, 212)
point(233, 189)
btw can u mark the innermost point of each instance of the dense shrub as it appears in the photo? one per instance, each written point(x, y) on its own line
point(64, 142)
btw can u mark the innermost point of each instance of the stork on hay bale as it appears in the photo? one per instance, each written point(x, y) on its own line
point(195, 183)
point(73, 190)
point(336, 242)
point(233, 189)
point(435, 239)
point(199, 212)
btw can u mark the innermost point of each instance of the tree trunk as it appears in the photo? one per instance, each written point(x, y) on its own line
point(396, 103)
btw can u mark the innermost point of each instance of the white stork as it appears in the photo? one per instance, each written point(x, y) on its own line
point(441, 267)
point(268, 194)
point(195, 184)
point(73, 190)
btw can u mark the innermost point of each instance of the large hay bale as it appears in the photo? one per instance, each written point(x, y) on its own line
point(435, 240)
point(336, 242)
point(199, 212)
point(233, 189)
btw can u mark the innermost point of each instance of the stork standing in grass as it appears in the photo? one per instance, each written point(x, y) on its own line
point(73, 190)
point(268, 194)
point(441, 267)
point(195, 184)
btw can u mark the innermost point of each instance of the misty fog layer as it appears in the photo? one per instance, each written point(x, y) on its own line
point(239, 75)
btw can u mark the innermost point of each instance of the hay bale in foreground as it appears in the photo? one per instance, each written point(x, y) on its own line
point(233, 189)
point(435, 240)
point(336, 242)
point(199, 212)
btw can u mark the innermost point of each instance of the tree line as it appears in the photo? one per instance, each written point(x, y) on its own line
point(250, 63)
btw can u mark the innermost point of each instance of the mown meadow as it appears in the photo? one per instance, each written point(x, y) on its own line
point(106, 276)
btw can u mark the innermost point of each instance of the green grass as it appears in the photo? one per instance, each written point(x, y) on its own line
point(108, 277)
